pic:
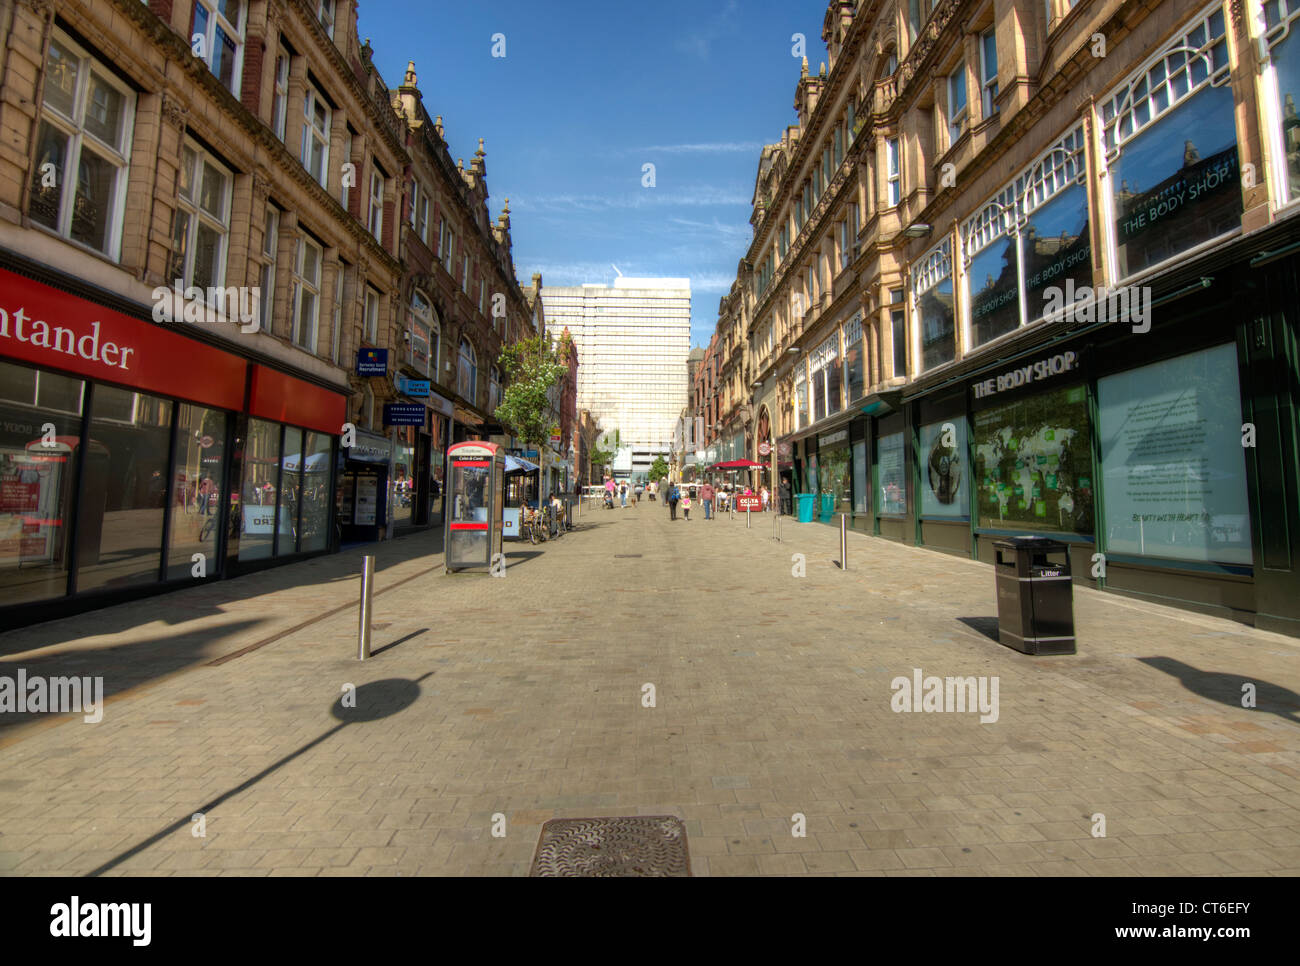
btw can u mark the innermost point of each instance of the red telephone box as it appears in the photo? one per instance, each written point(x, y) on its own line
point(474, 489)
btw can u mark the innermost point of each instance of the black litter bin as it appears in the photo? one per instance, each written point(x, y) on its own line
point(1035, 595)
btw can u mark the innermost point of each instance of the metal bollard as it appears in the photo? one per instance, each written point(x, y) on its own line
point(367, 585)
point(844, 541)
point(776, 527)
point(746, 518)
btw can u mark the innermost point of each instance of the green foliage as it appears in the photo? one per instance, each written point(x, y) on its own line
point(531, 366)
point(601, 457)
point(658, 469)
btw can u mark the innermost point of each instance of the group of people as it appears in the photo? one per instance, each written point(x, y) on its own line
point(687, 496)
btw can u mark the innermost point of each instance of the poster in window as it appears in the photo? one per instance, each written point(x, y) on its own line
point(1172, 459)
point(944, 472)
point(1033, 464)
point(891, 485)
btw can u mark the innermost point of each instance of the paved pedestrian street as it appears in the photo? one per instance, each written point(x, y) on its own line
point(638, 666)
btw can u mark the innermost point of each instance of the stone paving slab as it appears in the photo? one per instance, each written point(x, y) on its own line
point(502, 703)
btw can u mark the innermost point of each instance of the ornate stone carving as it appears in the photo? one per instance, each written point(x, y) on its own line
point(261, 187)
point(174, 112)
point(42, 8)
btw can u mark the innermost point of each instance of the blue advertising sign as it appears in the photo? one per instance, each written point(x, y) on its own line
point(403, 414)
point(372, 362)
point(413, 387)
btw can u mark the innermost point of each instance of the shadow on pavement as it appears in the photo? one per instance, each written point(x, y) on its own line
point(400, 640)
point(1228, 688)
point(122, 666)
point(370, 702)
point(987, 626)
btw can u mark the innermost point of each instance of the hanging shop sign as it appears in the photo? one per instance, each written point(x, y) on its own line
point(372, 362)
point(419, 388)
point(1046, 368)
point(403, 414)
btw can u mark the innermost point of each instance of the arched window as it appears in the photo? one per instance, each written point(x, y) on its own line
point(467, 380)
point(494, 390)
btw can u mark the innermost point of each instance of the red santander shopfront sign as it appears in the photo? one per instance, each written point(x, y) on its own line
point(55, 329)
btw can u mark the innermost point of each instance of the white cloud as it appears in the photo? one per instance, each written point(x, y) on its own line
point(715, 147)
point(698, 197)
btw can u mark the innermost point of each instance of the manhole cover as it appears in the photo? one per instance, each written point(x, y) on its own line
point(625, 555)
point(642, 845)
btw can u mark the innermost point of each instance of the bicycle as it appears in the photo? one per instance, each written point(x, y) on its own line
point(534, 526)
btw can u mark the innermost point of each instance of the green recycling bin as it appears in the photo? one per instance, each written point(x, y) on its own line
point(807, 505)
point(828, 507)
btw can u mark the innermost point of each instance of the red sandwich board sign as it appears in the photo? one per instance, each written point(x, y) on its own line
point(744, 503)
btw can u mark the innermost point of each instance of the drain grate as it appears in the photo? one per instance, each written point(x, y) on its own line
point(625, 555)
point(640, 845)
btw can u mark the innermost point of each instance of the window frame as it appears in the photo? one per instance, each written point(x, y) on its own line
point(280, 96)
point(313, 97)
point(369, 318)
point(269, 264)
point(301, 286)
point(199, 216)
point(375, 215)
point(211, 7)
point(988, 85)
point(893, 172)
point(74, 133)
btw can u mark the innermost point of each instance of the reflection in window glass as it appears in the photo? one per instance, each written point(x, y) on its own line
point(994, 291)
point(290, 492)
point(315, 493)
point(37, 483)
point(198, 489)
point(259, 489)
point(1033, 463)
point(403, 482)
point(938, 333)
point(854, 362)
point(1177, 182)
point(1058, 248)
point(861, 491)
point(1286, 62)
point(119, 530)
point(891, 486)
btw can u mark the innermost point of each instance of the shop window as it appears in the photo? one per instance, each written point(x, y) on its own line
point(124, 547)
point(38, 483)
point(198, 489)
point(891, 484)
point(1281, 23)
point(306, 287)
point(1172, 460)
point(1057, 246)
point(221, 25)
point(1033, 464)
point(861, 488)
point(932, 283)
point(286, 540)
point(316, 136)
point(1171, 148)
point(943, 469)
point(260, 491)
point(993, 269)
point(78, 184)
point(201, 222)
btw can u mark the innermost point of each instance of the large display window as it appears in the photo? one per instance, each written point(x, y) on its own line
point(861, 490)
point(1033, 464)
point(260, 490)
point(834, 483)
point(943, 469)
point(198, 488)
point(1172, 460)
point(935, 310)
point(891, 484)
point(1282, 23)
point(1171, 146)
point(134, 429)
point(38, 480)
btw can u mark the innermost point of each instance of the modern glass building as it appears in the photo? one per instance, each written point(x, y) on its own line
point(632, 340)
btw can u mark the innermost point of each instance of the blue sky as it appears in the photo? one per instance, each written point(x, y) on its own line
point(588, 93)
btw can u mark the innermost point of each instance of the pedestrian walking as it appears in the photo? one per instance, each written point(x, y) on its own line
point(686, 504)
point(785, 497)
point(622, 495)
point(706, 497)
point(671, 498)
point(765, 496)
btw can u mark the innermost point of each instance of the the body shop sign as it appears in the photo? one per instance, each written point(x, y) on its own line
point(1028, 374)
point(51, 328)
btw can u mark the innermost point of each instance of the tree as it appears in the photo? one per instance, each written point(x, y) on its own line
point(532, 367)
point(658, 469)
